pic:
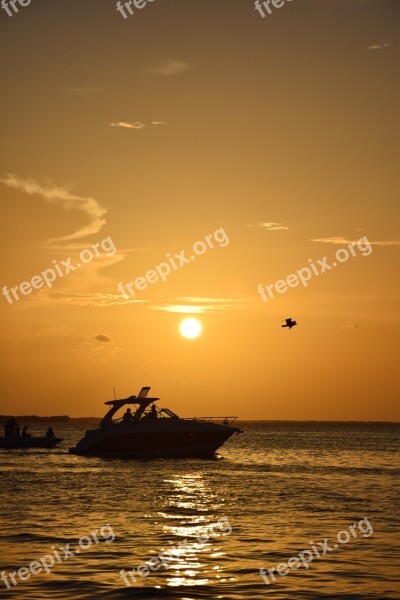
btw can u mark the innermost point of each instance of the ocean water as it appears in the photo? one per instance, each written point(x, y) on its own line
point(279, 488)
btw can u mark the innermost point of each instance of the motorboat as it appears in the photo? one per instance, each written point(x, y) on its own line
point(15, 442)
point(150, 432)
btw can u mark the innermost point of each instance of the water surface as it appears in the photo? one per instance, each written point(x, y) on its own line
point(280, 486)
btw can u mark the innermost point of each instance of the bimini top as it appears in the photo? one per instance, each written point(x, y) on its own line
point(141, 400)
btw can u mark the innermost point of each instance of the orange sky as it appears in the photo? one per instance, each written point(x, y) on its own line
point(157, 130)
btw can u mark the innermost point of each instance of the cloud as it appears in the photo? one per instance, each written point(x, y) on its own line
point(385, 243)
point(86, 347)
point(62, 196)
point(44, 329)
point(135, 124)
point(195, 305)
point(379, 46)
point(102, 338)
point(342, 241)
point(89, 349)
point(179, 308)
point(97, 299)
point(268, 226)
point(126, 125)
point(169, 67)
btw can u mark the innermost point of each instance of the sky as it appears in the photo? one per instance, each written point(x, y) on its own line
point(276, 137)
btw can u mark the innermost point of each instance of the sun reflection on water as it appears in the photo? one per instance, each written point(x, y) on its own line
point(192, 518)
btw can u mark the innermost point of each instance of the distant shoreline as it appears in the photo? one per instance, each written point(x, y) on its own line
point(55, 419)
point(67, 419)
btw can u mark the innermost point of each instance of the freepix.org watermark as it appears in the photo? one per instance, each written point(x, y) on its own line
point(126, 7)
point(5, 5)
point(60, 554)
point(266, 6)
point(176, 262)
point(48, 276)
point(223, 527)
point(304, 558)
point(304, 274)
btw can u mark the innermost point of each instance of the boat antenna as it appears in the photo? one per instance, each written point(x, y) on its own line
point(115, 397)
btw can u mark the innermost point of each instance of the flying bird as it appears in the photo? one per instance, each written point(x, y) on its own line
point(289, 323)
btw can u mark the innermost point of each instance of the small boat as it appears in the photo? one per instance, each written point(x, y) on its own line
point(151, 432)
point(29, 442)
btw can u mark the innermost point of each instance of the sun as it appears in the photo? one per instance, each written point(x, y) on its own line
point(190, 328)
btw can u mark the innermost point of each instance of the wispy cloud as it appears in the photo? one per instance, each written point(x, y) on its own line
point(181, 308)
point(96, 299)
point(63, 197)
point(268, 226)
point(91, 349)
point(169, 67)
point(127, 125)
point(379, 46)
point(43, 330)
point(342, 241)
point(97, 348)
point(135, 124)
point(195, 305)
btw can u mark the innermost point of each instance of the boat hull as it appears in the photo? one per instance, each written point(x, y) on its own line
point(166, 444)
point(33, 442)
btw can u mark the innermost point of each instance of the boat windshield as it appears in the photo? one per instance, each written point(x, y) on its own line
point(152, 412)
point(165, 412)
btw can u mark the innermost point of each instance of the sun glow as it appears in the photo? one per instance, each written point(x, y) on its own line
point(190, 328)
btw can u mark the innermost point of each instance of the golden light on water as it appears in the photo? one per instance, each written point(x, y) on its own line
point(190, 328)
point(197, 533)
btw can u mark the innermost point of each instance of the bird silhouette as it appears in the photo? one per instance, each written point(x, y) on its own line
point(289, 323)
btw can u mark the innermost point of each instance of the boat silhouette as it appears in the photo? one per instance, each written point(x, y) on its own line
point(150, 431)
point(15, 443)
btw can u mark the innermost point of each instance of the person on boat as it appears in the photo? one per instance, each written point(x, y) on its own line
point(150, 414)
point(127, 418)
point(25, 432)
point(50, 433)
point(16, 430)
point(11, 428)
point(7, 428)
